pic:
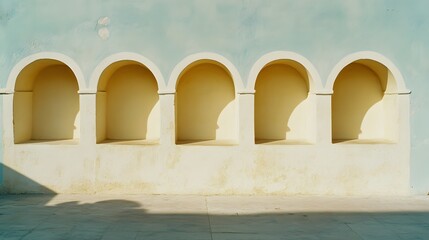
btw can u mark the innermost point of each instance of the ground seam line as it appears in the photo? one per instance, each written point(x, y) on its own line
point(208, 218)
point(360, 236)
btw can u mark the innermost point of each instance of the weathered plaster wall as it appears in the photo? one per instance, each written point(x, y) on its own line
point(167, 31)
point(1, 145)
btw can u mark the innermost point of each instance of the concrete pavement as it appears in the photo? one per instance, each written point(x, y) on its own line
point(106, 217)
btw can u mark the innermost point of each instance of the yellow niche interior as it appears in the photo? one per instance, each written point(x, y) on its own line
point(363, 111)
point(46, 103)
point(205, 105)
point(128, 110)
point(283, 108)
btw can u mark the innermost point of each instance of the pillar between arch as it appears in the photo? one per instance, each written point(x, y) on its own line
point(404, 118)
point(7, 119)
point(168, 128)
point(323, 117)
point(88, 112)
point(246, 115)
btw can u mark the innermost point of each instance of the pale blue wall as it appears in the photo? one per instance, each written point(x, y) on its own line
point(167, 31)
point(1, 143)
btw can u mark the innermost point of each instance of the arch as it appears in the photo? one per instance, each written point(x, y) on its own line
point(198, 58)
point(45, 101)
point(16, 70)
point(125, 56)
point(365, 107)
point(284, 109)
point(302, 64)
point(397, 84)
point(127, 105)
point(206, 100)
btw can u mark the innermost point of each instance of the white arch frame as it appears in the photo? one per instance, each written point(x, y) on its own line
point(187, 61)
point(315, 84)
point(368, 55)
point(125, 56)
point(16, 70)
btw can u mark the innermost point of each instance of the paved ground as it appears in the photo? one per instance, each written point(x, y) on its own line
point(215, 217)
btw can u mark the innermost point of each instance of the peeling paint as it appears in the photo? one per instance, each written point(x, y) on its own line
point(104, 33)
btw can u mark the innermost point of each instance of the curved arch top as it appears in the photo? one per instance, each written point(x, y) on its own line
point(16, 70)
point(315, 83)
point(369, 55)
point(187, 61)
point(125, 56)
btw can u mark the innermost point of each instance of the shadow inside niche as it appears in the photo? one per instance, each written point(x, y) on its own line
point(205, 105)
point(132, 94)
point(46, 103)
point(279, 104)
point(357, 108)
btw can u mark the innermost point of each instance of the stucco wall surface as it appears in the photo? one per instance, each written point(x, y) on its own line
point(167, 32)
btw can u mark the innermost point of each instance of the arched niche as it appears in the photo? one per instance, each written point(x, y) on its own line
point(127, 108)
point(284, 110)
point(364, 103)
point(205, 104)
point(45, 102)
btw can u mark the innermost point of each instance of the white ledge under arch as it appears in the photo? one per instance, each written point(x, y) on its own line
point(124, 56)
point(400, 87)
point(16, 70)
point(190, 60)
point(315, 84)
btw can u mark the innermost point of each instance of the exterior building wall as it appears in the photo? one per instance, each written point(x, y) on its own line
point(174, 44)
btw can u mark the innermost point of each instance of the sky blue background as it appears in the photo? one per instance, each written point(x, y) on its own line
point(324, 31)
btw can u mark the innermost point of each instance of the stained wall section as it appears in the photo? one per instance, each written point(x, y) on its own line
point(204, 137)
point(196, 143)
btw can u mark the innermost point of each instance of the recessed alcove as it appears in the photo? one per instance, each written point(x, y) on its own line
point(364, 110)
point(127, 110)
point(205, 105)
point(46, 103)
point(283, 106)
